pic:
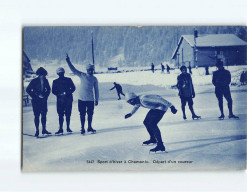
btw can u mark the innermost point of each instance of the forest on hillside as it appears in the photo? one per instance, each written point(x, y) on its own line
point(113, 45)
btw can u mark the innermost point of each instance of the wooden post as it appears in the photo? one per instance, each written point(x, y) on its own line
point(92, 48)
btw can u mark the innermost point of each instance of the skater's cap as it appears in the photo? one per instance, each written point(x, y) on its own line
point(219, 63)
point(130, 96)
point(90, 66)
point(41, 71)
point(183, 67)
point(60, 69)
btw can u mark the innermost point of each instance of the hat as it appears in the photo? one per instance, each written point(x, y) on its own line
point(129, 96)
point(183, 67)
point(60, 69)
point(219, 63)
point(41, 71)
point(90, 66)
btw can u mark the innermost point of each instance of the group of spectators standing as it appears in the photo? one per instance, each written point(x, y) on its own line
point(221, 80)
point(158, 105)
point(63, 88)
point(162, 68)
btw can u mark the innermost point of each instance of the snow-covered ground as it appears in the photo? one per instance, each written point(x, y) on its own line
point(206, 144)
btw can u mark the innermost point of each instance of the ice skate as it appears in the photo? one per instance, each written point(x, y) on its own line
point(233, 116)
point(83, 131)
point(91, 130)
point(151, 141)
point(69, 130)
point(196, 117)
point(59, 132)
point(184, 117)
point(221, 117)
point(159, 147)
point(45, 132)
point(37, 134)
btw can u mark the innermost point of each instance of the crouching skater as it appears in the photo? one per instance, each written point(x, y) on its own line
point(158, 107)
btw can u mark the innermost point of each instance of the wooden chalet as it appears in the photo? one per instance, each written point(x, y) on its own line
point(204, 50)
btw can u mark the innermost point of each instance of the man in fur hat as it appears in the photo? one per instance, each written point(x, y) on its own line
point(39, 89)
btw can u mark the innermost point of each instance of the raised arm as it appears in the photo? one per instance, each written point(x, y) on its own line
point(72, 68)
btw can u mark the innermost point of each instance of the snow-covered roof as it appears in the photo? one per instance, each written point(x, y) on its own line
point(26, 57)
point(215, 40)
point(211, 40)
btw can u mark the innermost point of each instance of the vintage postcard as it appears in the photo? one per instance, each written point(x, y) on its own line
point(134, 98)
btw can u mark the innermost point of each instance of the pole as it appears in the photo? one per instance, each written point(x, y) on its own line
point(195, 49)
point(92, 47)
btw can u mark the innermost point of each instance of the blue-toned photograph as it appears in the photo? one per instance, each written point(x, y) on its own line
point(134, 98)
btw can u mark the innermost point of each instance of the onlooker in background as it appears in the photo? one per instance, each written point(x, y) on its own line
point(207, 70)
point(63, 88)
point(162, 68)
point(152, 67)
point(243, 78)
point(221, 81)
point(119, 90)
point(39, 89)
point(168, 69)
point(186, 91)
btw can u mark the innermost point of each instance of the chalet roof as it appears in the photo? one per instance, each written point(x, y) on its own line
point(26, 63)
point(26, 57)
point(211, 40)
point(215, 40)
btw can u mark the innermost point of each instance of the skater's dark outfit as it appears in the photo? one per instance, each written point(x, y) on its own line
point(207, 70)
point(243, 78)
point(63, 87)
point(186, 91)
point(39, 90)
point(86, 99)
point(168, 69)
point(162, 68)
point(221, 80)
point(119, 90)
point(158, 107)
point(152, 67)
